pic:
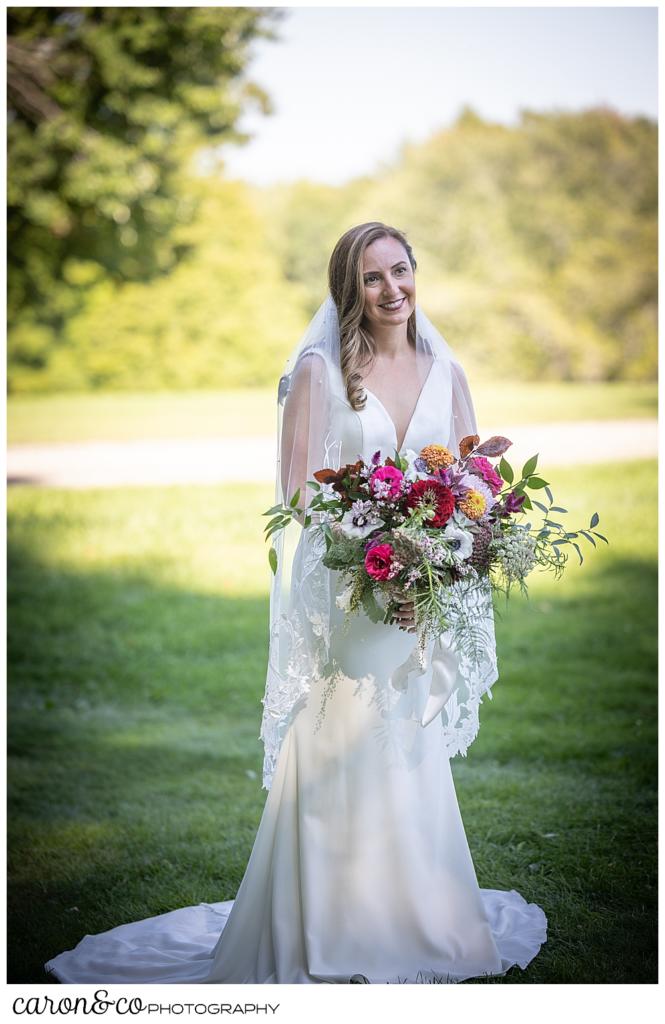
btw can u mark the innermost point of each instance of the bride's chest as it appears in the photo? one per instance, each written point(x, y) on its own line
point(398, 400)
point(422, 419)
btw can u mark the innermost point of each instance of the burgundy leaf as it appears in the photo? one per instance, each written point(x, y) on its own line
point(496, 445)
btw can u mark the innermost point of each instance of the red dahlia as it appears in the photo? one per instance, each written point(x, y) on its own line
point(435, 493)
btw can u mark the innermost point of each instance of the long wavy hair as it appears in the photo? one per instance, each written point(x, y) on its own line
point(345, 281)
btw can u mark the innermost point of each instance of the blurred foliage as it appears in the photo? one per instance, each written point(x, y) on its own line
point(222, 316)
point(537, 244)
point(135, 264)
point(107, 107)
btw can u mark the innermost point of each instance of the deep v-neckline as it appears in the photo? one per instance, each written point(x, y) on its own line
point(399, 447)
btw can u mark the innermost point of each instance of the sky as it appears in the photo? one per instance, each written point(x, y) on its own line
point(350, 85)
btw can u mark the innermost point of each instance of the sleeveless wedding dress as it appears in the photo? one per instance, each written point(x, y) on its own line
point(360, 865)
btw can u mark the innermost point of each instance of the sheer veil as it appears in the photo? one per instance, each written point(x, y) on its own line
point(311, 400)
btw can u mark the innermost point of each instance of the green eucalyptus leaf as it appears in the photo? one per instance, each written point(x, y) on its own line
point(295, 499)
point(506, 471)
point(529, 466)
point(595, 519)
point(272, 558)
point(281, 520)
point(588, 537)
point(596, 534)
point(536, 482)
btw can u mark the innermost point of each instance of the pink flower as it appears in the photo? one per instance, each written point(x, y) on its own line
point(391, 479)
point(378, 561)
point(485, 470)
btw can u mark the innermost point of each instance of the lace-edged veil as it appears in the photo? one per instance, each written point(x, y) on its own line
point(309, 393)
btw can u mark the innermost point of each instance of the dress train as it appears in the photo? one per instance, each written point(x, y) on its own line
point(360, 864)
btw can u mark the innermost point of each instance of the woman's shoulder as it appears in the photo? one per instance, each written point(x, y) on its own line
point(313, 358)
point(313, 370)
point(316, 364)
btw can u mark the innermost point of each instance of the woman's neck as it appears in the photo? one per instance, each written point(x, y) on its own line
point(390, 342)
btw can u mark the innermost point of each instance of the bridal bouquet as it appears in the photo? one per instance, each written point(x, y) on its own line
point(428, 527)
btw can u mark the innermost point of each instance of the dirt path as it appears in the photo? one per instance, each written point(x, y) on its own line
point(222, 460)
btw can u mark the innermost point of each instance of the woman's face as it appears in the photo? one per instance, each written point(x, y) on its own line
point(389, 284)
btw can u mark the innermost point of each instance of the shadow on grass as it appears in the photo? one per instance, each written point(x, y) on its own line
point(135, 760)
point(134, 757)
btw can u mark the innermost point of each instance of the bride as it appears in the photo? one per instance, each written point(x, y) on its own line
point(360, 865)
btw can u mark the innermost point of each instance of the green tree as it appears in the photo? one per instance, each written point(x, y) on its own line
point(222, 317)
point(537, 244)
point(107, 105)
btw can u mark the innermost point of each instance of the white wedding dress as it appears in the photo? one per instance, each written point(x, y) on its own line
point(360, 865)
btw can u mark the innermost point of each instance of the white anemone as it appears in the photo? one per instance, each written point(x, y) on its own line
point(356, 524)
point(462, 550)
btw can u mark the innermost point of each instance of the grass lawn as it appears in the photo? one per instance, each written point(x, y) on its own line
point(138, 629)
point(127, 416)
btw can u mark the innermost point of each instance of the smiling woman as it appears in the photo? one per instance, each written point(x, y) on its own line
point(360, 865)
point(390, 300)
point(372, 283)
point(388, 288)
